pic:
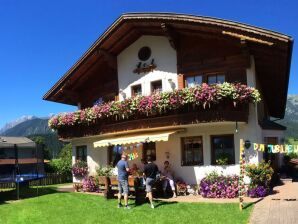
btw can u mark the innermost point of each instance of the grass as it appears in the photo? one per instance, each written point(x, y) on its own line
point(57, 207)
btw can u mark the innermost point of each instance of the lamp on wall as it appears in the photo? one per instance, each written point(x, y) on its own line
point(167, 155)
point(247, 144)
point(236, 128)
point(172, 84)
point(122, 93)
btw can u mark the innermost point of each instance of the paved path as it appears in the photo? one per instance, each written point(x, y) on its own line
point(65, 188)
point(279, 208)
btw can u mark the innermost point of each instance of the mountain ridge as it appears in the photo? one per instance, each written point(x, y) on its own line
point(15, 122)
point(33, 126)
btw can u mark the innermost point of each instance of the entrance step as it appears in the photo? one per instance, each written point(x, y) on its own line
point(286, 180)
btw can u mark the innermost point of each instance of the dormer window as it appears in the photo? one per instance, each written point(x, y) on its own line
point(215, 78)
point(193, 81)
point(156, 86)
point(136, 90)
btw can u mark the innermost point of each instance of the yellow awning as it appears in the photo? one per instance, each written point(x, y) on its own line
point(150, 137)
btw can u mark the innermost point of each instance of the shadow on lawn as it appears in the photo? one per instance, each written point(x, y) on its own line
point(252, 203)
point(11, 195)
point(157, 203)
point(163, 203)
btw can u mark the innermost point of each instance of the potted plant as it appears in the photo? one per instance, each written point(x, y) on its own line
point(223, 159)
point(80, 169)
point(103, 179)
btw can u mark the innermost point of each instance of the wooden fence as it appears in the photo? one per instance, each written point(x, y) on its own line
point(7, 185)
point(51, 178)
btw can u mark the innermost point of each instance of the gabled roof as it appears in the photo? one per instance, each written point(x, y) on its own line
point(272, 50)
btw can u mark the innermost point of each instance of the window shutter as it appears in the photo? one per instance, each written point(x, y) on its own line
point(181, 84)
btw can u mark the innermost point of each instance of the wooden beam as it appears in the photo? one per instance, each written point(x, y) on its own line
point(108, 57)
point(244, 47)
point(170, 34)
point(213, 64)
point(99, 91)
point(124, 40)
point(70, 94)
point(249, 38)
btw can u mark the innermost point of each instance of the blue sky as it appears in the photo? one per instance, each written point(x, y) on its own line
point(41, 40)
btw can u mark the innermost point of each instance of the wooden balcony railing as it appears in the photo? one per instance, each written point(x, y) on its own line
point(187, 115)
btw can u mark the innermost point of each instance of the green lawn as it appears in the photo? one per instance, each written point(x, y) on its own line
point(54, 207)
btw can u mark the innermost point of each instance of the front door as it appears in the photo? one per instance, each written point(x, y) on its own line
point(271, 156)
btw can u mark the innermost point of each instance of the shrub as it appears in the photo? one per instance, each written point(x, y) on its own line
point(260, 178)
point(80, 169)
point(106, 171)
point(219, 186)
point(59, 166)
point(89, 184)
point(62, 165)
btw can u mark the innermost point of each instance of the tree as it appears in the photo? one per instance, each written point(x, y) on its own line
point(63, 164)
point(41, 140)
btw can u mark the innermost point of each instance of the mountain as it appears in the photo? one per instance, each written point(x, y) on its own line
point(16, 122)
point(28, 127)
point(291, 117)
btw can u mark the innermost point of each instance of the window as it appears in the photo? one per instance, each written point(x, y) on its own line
point(156, 86)
point(192, 151)
point(81, 153)
point(216, 78)
point(136, 90)
point(149, 149)
point(192, 81)
point(222, 148)
point(114, 154)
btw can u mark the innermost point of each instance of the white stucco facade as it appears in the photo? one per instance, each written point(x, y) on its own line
point(164, 57)
point(173, 147)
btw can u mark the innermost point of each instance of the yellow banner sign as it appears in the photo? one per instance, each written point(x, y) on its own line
point(276, 148)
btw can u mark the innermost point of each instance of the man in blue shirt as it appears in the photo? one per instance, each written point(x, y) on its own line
point(123, 169)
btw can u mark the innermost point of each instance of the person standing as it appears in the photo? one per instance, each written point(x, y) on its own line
point(123, 170)
point(150, 172)
point(168, 178)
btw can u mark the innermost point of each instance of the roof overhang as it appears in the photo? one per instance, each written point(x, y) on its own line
point(272, 51)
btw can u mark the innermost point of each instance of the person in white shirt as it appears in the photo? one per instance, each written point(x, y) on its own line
point(168, 178)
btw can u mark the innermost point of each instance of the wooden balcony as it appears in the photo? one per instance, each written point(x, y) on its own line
point(187, 115)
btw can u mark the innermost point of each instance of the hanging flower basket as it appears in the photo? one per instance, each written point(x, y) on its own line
point(204, 96)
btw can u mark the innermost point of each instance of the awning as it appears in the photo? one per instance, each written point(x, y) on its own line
point(149, 137)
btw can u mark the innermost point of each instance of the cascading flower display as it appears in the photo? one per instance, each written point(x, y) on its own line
point(257, 192)
point(160, 103)
point(89, 184)
point(219, 186)
point(80, 169)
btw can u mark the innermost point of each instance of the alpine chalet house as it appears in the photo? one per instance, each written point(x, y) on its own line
point(180, 88)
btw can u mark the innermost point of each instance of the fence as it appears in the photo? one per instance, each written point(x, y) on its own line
point(51, 178)
point(7, 185)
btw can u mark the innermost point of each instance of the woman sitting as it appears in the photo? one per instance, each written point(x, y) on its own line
point(168, 178)
point(134, 170)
